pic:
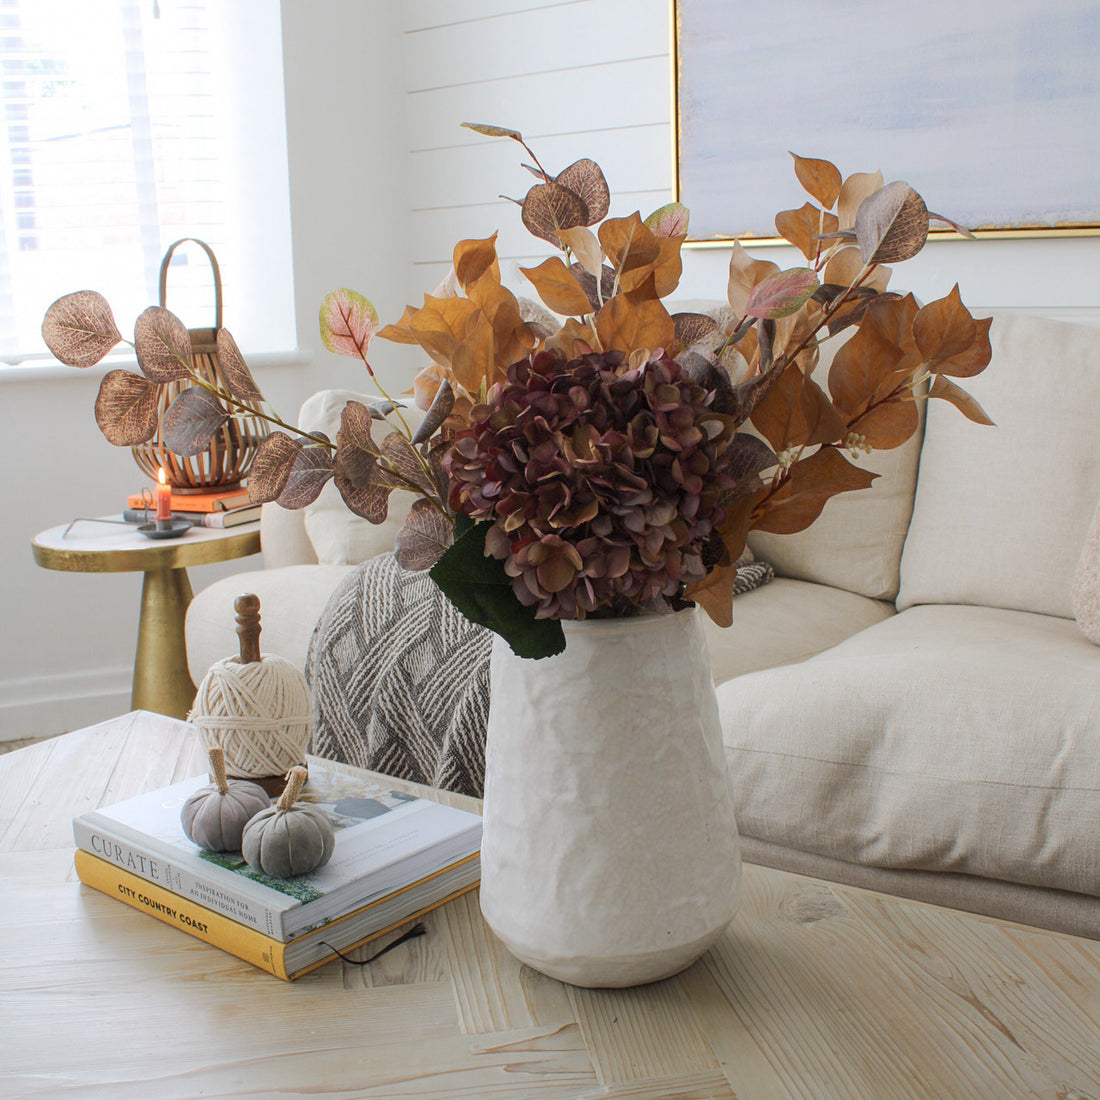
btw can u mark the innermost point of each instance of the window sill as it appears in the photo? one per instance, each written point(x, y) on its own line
point(49, 370)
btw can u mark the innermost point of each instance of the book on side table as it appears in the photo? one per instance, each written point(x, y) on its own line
point(396, 857)
point(232, 517)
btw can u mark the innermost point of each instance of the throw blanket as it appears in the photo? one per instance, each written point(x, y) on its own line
point(400, 679)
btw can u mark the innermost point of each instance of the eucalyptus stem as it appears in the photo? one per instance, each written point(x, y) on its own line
point(243, 406)
point(828, 312)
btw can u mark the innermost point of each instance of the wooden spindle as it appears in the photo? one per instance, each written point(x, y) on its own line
point(247, 607)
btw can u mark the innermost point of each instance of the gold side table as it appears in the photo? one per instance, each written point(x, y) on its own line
point(162, 682)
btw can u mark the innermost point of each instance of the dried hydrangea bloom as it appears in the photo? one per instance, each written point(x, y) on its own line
point(603, 483)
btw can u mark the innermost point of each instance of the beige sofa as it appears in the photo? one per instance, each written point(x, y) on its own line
point(910, 704)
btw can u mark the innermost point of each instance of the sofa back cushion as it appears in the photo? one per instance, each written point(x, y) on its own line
point(338, 535)
point(856, 542)
point(1001, 513)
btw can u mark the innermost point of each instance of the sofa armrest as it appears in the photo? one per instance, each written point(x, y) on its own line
point(291, 601)
point(283, 537)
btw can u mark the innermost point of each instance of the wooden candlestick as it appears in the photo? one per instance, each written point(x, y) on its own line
point(247, 607)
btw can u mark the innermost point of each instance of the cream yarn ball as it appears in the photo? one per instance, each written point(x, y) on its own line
point(258, 712)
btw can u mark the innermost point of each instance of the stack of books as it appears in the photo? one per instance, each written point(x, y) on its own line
point(396, 858)
point(218, 508)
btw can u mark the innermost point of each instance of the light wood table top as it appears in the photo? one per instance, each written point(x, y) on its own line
point(816, 991)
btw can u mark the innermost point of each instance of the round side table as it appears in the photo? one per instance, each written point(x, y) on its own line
point(162, 682)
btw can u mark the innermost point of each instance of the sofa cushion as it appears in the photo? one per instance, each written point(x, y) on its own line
point(1001, 513)
point(857, 541)
point(948, 738)
point(786, 621)
point(291, 600)
point(338, 535)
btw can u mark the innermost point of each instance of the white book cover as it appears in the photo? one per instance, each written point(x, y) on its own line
point(385, 840)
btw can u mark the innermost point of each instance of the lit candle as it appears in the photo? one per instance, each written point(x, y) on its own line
point(164, 497)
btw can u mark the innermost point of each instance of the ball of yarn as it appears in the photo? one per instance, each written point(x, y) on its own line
point(257, 712)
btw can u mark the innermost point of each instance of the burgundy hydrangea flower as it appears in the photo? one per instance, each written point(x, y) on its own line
point(603, 483)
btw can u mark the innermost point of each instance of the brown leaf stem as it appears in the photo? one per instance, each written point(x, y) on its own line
point(900, 388)
point(243, 406)
point(409, 485)
point(829, 310)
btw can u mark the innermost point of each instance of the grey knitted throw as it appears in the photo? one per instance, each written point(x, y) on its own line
point(400, 679)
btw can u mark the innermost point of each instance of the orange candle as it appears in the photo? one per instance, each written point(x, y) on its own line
point(164, 497)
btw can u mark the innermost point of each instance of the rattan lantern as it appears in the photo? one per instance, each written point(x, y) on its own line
point(226, 462)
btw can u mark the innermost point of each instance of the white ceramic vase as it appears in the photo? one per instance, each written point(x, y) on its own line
point(610, 854)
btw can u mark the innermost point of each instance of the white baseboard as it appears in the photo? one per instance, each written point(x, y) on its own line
point(41, 706)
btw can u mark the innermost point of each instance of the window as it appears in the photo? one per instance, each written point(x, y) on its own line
point(124, 126)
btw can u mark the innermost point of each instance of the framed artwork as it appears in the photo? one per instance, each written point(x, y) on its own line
point(990, 109)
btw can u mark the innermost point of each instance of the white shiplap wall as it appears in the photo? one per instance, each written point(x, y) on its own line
point(579, 78)
point(592, 78)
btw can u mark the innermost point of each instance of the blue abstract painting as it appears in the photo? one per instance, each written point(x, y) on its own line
point(989, 108)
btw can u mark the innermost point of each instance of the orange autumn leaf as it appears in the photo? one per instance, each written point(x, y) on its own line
point(820, 178)
point(795, 412)
point(950, 339)
point(665, 269)
point(557, 288)
point(474, 356)
point(628, 244)
point(625, 326)
point(401, 332)
point(585, 245)
point(714, 594)
point(943, 387)
point(440, 324)
point(857, 187)
point(845, 266)
point(809, 485)
point(889, 424)
point(474, 259)
point(572, 340)
point(875, 359)
point(802, 225)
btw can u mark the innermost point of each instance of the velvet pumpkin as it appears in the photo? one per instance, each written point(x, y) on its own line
point(214, 817)
point(288, 839)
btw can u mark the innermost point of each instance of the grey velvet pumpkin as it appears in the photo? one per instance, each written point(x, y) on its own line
point(214, 817)
point(288, 839)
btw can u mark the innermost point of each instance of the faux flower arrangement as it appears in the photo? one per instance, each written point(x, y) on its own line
point(595, 466)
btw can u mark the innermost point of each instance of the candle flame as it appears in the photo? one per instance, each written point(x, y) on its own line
point(160, 476)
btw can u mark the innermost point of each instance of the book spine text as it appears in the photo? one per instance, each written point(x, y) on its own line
point(179, 912)
point(181, 881)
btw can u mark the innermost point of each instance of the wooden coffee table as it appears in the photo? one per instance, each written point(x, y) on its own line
point(816, 991)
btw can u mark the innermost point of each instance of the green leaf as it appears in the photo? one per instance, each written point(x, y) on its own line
point(479, 587)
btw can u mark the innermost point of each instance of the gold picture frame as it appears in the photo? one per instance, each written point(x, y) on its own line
point(717, 56)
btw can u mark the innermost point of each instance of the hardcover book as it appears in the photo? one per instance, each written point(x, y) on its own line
point(386, 841)
point(231, 517)
point(299, 955)
point(214, 501)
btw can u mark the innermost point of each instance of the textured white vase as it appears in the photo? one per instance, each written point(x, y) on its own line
point(610, 854)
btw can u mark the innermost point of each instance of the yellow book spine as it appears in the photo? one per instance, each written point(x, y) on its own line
point(210, 927)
